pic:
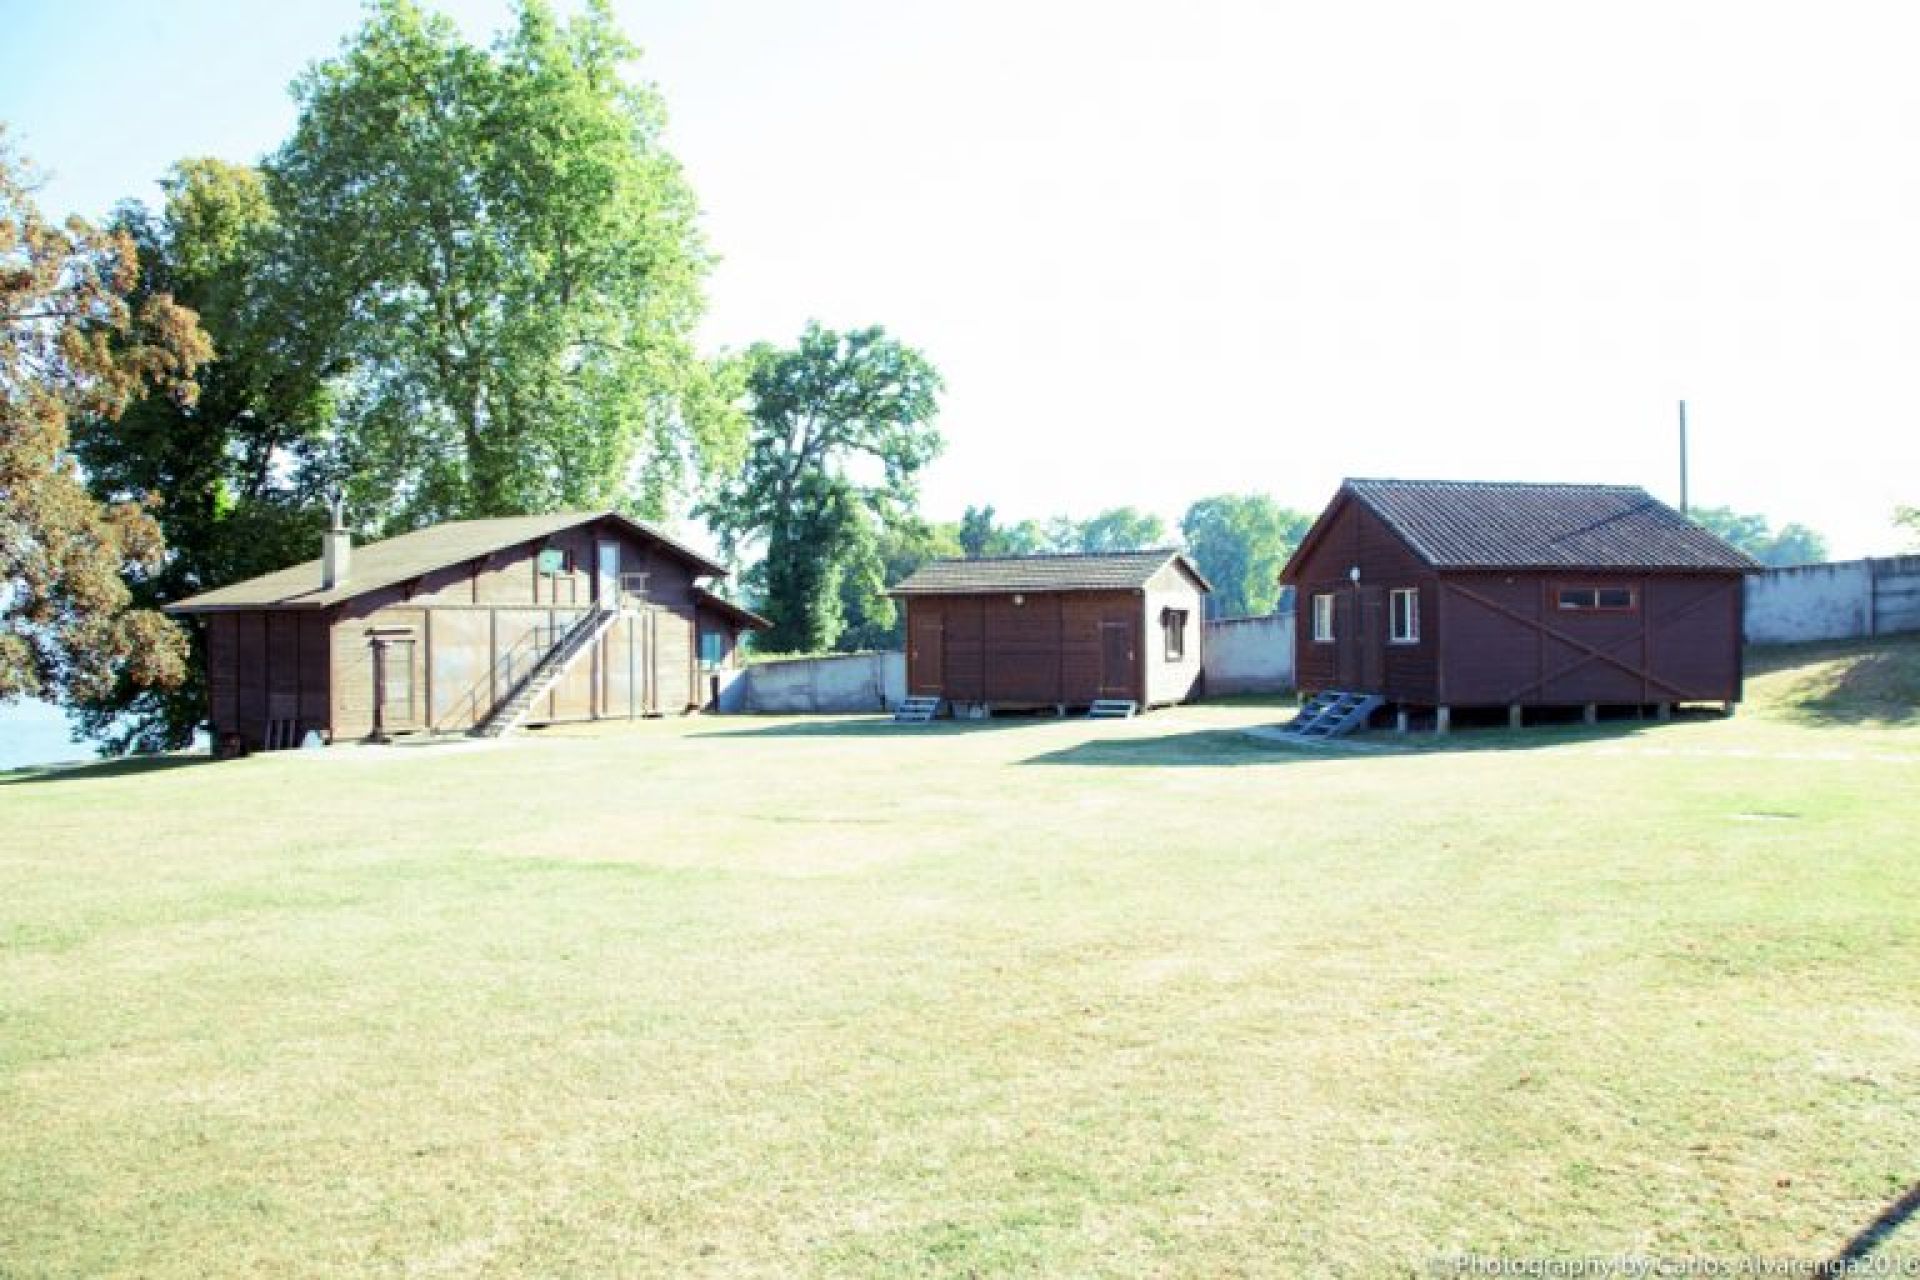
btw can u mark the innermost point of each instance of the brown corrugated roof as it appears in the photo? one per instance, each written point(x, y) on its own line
point(1104, 571)
point(1456, 524)
point(394, 560)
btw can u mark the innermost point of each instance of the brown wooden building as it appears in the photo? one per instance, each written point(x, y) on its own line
point(1055, 630)
point(1440, 594)
point(476, 624)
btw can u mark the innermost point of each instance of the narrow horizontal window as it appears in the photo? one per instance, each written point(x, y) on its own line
point(1596, 599)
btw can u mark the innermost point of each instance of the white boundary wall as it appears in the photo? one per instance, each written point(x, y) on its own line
point(1250, 655)
point(801, 686)
point(1844, 600)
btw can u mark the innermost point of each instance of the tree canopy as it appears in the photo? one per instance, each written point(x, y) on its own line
point(74, 343)
point(1776, 548)
point(1241, 542)
point(503, 259)
point(840, 427)
point(235, 506)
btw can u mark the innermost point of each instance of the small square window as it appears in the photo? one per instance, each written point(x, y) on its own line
point(1323, 619)
point(1406, 615)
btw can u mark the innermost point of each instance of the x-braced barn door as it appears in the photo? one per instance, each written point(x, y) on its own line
point(926, 657)
point(1116, 660)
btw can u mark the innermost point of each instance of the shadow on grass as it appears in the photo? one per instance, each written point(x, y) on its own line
point(1216, 748)
point(876, 727)
point(1856, 683)
point(1875, 1233)
point(129, 766)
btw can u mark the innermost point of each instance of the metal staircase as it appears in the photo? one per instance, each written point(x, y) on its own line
point(1112, 709)
point(1333, 714)
point(546, 673)
point(917, 710)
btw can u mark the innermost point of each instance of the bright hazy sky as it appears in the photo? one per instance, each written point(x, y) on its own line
point(1161, 251)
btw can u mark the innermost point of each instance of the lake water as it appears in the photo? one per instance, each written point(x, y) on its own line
point(36, 733)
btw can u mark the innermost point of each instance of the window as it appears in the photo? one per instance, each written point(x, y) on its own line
point(1323, 619)
point(1596, 599)
point(713, 649)
point(1406, 615)
point(1173, 622)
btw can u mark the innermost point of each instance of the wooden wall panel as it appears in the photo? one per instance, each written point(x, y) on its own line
point(1022, 643)
point(461, 670)
point(223, 667)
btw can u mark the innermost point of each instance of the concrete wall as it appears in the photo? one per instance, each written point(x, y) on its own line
point(857, 682)
point(1845, 600)
point(1250, 655)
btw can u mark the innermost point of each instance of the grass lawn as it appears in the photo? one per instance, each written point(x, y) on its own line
point(781, 997)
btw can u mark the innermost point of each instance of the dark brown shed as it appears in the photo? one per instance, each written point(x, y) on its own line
point(1443, 594)
point(468, 625)
point(1055, 630)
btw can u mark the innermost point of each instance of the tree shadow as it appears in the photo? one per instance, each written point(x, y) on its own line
point(1195, 748)
point(1254, 745)
point(1848, 684)
point(125, 767)
point(877, 727)
point(1874, 1234)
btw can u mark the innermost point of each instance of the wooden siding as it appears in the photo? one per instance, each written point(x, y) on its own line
point(476, 630)
point(265, 666)
point(1053, 648)
point(1362, 654)
point(1509, 643)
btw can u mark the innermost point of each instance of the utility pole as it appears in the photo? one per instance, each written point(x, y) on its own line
point(1683, 457)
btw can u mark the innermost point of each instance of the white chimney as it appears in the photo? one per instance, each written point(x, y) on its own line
point(336, 548)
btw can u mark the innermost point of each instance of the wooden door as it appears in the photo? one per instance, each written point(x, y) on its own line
point(1373, 640)
point(926, 657)
point(1117, 660)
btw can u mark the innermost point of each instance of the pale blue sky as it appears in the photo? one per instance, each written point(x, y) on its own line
point(1162, 251)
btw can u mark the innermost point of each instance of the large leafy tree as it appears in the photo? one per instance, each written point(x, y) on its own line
point(72, 344)
point(840, 427)
point(1120, 529)
point(1241, 542)
point(235, 504)
point(1776, 548)
point(871, 619)
point(505, 259)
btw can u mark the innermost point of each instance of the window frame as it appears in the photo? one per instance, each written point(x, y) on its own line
point(1561, 590)
point(1323, 612)
point(1411, 635)
point(1173, 634)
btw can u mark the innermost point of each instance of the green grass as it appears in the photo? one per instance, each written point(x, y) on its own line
point(780, 997)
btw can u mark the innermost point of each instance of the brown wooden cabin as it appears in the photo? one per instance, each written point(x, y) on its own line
point(459, 614)
point(1024, 632)
point(1442, 594)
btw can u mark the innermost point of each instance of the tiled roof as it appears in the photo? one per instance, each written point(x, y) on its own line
point(1106, 571)
point(1475, 525)
point(392, 560)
